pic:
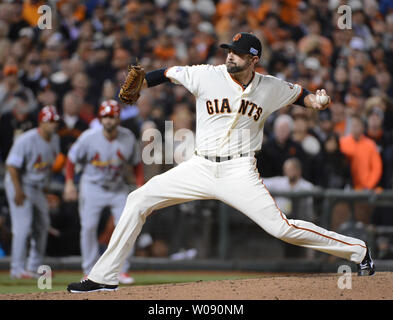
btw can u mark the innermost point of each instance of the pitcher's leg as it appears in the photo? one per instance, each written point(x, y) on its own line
point(188, 181)
point(251, 197)
point(117, 205)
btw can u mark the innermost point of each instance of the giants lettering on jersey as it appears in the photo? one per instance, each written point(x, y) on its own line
point(254, 111)
point(223, 106)
point(218, 106)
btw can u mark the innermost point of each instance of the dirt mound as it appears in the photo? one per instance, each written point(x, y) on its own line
point(299, 287)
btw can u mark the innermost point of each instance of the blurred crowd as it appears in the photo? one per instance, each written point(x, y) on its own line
point(83, 58)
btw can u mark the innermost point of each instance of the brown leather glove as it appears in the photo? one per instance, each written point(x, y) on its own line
point(130, 89)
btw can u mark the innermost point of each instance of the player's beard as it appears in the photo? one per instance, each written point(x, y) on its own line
point(235, 68)
point(110, 127)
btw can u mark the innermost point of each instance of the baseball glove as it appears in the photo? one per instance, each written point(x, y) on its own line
point(130, 89)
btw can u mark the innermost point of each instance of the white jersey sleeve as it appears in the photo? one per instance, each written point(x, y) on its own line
point(188, 76)
point(283, 93)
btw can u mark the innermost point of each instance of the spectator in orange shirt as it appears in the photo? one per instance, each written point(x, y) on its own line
point(365, 160)
point(30, 11)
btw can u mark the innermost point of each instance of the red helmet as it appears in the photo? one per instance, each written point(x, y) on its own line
point(48, 114)
point(109, 108)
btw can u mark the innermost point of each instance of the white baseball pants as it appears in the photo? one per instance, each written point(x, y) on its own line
point(237, 183)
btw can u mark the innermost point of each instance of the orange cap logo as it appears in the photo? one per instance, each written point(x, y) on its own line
point(236, 37)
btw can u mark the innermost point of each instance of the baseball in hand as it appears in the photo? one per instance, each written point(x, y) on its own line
point(322, 99)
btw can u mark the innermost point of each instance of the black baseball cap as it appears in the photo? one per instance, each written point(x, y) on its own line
point(244, 42)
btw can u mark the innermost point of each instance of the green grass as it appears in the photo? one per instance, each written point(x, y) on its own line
point(61, 279)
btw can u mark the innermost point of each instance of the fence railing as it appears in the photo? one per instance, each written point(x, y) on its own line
point(328, 199)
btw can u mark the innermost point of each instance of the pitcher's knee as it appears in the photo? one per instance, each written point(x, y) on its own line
point(136, 198)
point(138, 203)
point(281, 231)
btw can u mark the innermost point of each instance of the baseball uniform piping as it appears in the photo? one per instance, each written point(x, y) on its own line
point(296, 227)
point(165, 74)
point(239, 83)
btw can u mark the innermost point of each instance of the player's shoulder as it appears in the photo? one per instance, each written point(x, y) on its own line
point(123, 131)
point(90, 132)
point(193, 68)
point(268, 78)
point(27, 136)
point(275, 81)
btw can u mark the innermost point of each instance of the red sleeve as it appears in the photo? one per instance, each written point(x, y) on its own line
point(139, 175)
point(70, 169)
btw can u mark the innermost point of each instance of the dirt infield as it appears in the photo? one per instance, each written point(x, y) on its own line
point(295, 287)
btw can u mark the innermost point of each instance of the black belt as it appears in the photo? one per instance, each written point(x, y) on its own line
point(221, 159)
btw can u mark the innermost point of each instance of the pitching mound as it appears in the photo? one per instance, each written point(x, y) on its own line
point(297, 287)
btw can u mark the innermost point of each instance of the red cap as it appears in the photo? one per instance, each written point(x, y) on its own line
point(48, 114)
point(109, 108)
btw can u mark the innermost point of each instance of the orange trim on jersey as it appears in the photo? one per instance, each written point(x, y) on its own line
point(239, 83)
point(296, 227)
point(166, 70)
point(298, 96)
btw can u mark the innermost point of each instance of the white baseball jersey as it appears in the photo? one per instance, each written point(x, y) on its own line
point(229, 119)
point(104, 161)
point(222, 106)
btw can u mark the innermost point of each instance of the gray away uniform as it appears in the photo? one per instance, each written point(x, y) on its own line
point(102, 183)
point(33, 156)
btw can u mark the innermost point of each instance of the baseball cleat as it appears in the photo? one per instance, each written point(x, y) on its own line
point(366, 267)
point(124, 278)
point(89, 286)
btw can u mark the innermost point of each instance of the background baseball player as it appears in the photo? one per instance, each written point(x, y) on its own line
point(231, 99)
point(105, 153)
point(29, 165)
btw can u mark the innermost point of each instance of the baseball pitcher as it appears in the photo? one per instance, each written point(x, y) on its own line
point(232, 104)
